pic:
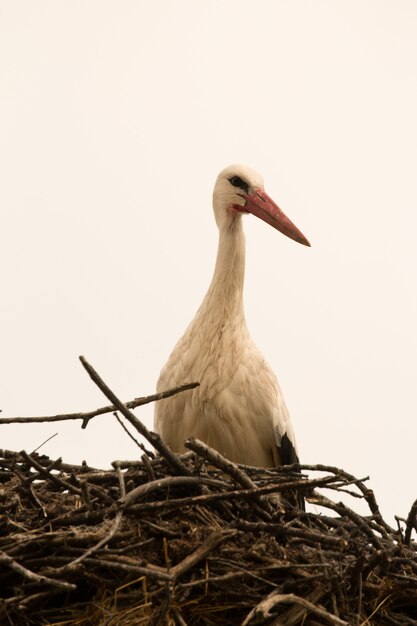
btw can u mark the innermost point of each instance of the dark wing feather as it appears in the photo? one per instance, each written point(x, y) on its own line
point(287, 451)
point(288, 456)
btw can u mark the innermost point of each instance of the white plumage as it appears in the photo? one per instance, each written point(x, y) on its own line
point(238, 409)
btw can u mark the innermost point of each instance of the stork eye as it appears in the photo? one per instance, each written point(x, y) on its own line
point(236, 181)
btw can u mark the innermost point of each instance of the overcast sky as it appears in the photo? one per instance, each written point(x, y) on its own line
point(115, 120)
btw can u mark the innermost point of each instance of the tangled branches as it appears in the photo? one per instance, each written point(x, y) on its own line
point(195, 539)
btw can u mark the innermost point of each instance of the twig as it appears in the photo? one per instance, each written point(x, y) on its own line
point(43, 443)
point(255, 573)
point(152, 437)
point(44, 472)
point(121, 479)
point(244, 494)
point(201, 552)
point(115, 525)
point(97, 546)
point(221, 462)
point(263, 609)
point(342, 509)
point(86, 494)
point(367, 493)
point(218, 460)
point(281, 530)
point(140, 445)
point(162, 483)
point(86, 416)
point(149, 468)
point(32, 576)
point(35, 475)
point(113, 561)
point(178, 618)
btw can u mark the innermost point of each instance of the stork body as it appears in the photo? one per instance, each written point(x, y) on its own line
point(238, 409)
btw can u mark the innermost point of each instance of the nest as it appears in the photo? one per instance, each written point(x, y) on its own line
point(194, 539)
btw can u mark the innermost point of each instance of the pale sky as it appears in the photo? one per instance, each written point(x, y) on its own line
point(116, 118)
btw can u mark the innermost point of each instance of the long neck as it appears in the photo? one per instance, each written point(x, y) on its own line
point(224, 298)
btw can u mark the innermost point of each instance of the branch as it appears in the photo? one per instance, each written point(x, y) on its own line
point(43, 471)
point(263, 609)
point(344, 510)
point(140, 445)
point(32, 576)
point(113, 528)
point(153, 438)
point(227, 466)
point(162, 483)
point(219, 461)
point(239, 494)
point(201, 552)
point(88, 415)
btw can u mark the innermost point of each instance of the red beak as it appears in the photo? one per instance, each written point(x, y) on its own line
point(260, 204)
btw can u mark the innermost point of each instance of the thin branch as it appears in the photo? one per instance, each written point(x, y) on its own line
point(201, 552)
point(149, 468)
point(87, 415)
point(44, 472)
point(153, 438)
point(113, 528)
point(343, 510)
point(44, 442)
point(243, 494)
point(32, 576)
point(262, 610)
point(281, 530)
point(162, 483)
point(113, 561)
point(35, 475)
point(140, 445)
point(218, 460)
point(221, 462)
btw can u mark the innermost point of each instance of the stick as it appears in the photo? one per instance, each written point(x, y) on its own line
point(140, 445)
point(43, 443)
point(44, 472)
point(162, 483)
point(153, 438)
point(244, 494)
point(201, 552)
point(263, 609)
point(115, 525)
point(221, 462)
point(342, 510)
point(86, 416)
point(37, 578)
point(282, 530)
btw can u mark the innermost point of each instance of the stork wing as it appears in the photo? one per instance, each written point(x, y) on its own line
point(286, 449)
point(285, 452)
point(283, 434)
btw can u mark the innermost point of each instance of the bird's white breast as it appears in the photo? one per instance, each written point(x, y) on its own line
point(238, 403)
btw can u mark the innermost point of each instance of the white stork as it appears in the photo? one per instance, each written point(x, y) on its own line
point(238, 409)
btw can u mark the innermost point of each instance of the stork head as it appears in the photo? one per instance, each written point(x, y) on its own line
point(239, 189)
